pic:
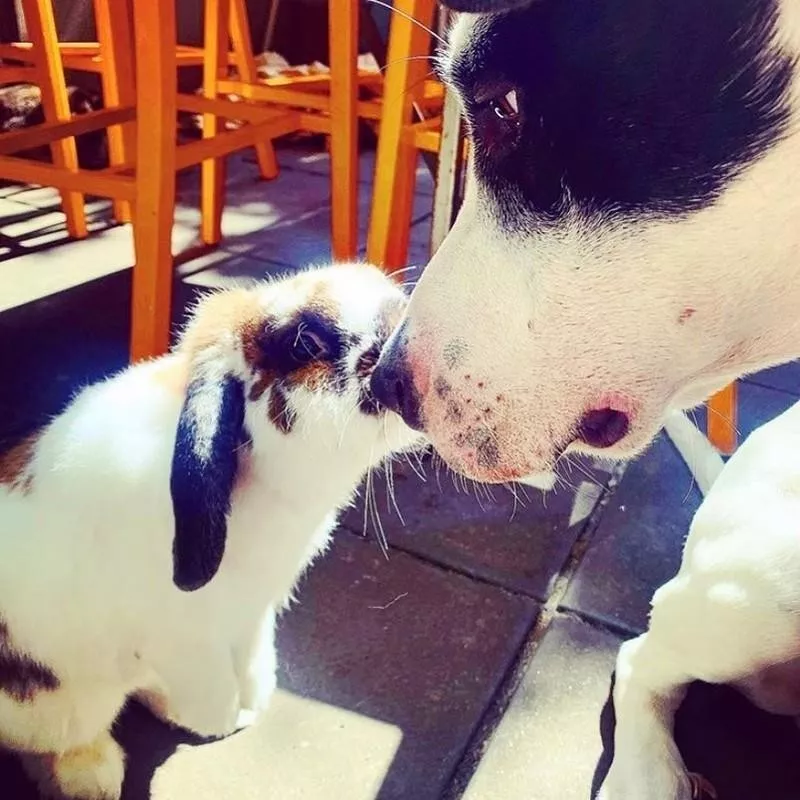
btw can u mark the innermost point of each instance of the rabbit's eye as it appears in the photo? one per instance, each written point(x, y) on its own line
point(308, 346)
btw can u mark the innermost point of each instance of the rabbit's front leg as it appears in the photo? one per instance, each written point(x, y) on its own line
point(256, 667)
point(198, 691)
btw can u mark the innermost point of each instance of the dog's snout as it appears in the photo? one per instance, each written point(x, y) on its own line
point(392, 386)
point(603, 427)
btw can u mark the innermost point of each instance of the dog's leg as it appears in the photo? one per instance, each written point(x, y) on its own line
point(714, 629)
point(647, 764)
point(256, 666)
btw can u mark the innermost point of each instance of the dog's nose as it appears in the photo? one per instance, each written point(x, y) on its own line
point(393, 387)
point(603, 427)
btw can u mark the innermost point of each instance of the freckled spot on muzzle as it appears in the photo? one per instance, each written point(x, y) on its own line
point(487, 453)
point(454, 352)
point(442, 388)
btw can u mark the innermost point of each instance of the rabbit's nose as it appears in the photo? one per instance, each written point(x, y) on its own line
point(392, 385)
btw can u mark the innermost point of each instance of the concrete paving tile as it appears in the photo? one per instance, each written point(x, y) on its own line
point(406, 643)
point(520, 546)
point(785, 377)
point(547, 744)
point(386, 668)
point(639, 540)
point(318, 162)
point(49, 270)
point(301, 241)
point(306, 240)
point(10, 209)
point(253, 205)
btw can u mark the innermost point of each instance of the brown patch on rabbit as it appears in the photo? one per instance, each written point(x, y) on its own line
point(15, 465)
point(236, 312)
point(22, 677)
point(312, 376)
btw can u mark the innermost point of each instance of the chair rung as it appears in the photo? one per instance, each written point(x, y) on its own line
point(48, 132)
point(224, 143)
point(98, 182)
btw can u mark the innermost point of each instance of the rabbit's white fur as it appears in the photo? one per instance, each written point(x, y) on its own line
point(90, 613)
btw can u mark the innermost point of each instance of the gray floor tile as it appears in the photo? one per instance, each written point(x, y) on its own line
point(10, 209)
point(785, 377)
point(318, 162)
point(519, 545)
point(548, 742)
point(639, 540)
point(253, 205)
point(301, 241)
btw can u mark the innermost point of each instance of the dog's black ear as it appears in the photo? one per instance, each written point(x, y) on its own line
point(204, 466)
point(484, 6)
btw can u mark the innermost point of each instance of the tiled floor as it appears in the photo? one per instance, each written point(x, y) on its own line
point(476, 660)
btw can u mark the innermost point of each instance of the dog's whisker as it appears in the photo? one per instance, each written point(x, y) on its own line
point(400, 13)
point(408, 58)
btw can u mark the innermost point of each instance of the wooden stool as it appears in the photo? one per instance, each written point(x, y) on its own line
point(325, 104)
point(43, 67)
point(144, 177)
point(400, 138)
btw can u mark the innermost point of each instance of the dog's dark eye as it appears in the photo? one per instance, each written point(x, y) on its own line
point(308, 346)
point(506, 107)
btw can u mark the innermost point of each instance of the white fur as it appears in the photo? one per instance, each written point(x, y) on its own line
point(86, 583)
point(731, 614)
point(560, 321)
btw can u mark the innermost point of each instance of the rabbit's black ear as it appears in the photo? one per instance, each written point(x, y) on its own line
point(204, 465)
point(484, 6)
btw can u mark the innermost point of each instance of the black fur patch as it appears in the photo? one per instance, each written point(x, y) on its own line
point(280, 414)
point(276, 344)
point(204, 467)
point(21, 677)
point(627, 107)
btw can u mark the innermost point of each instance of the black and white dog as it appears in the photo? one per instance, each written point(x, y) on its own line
point(629, 243)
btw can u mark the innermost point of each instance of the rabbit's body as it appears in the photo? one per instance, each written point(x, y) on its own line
point(88, 601)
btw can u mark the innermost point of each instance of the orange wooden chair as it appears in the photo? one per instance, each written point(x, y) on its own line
point(327, 104)
point(145, 157)
point(400, 137)
point(42, 66)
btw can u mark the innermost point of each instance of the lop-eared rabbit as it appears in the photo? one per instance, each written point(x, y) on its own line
point(151, 532)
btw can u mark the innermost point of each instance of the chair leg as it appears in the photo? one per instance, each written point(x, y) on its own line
point(215, 62)
point(115, 36)
point(343, 44)
point(246, 64)
point(722, 419)
point(156, 93)
point(41, 27)
point(395, 163)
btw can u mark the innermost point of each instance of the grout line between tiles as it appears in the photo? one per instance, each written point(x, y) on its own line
point(448, 568)
point(550, 611)
point(778, 389)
